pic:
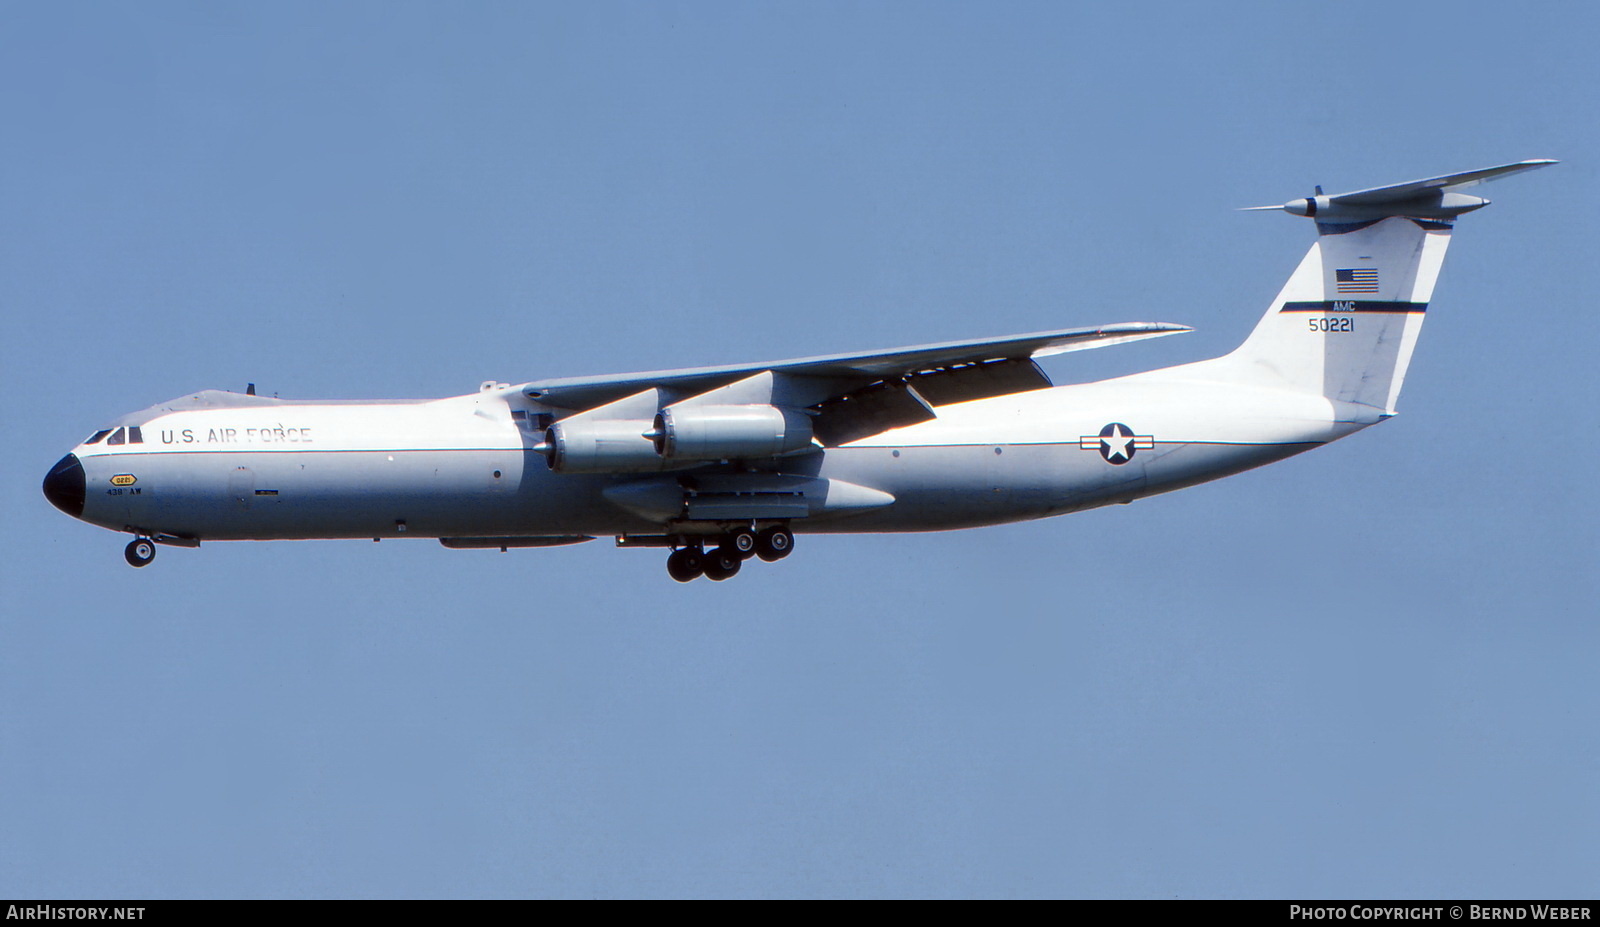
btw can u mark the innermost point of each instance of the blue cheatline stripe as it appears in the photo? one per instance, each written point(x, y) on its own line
point(1353, 305)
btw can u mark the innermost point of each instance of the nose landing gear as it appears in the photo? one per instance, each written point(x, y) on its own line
point(139, 552)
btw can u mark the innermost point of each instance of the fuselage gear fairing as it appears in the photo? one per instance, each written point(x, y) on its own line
point(721, 464)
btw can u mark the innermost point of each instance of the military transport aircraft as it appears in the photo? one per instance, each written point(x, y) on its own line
point(719, 464)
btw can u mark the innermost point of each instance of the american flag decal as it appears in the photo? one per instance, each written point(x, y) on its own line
point(1356, 279)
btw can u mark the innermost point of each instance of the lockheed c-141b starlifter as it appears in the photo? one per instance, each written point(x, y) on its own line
point(721, 464)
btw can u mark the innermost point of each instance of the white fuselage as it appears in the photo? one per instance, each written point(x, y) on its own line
point(465, 467)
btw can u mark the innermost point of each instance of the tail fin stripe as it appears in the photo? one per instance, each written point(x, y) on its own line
point(1353, 305)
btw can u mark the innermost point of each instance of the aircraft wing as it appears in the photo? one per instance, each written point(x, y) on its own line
point(948, 364)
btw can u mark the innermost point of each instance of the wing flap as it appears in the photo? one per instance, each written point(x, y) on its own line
point(964, 383)
point(870, 410)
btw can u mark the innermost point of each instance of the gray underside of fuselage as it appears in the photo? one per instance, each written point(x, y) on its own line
point(477, 493)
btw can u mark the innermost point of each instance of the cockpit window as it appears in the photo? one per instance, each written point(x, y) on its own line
point(95, 438)
point(117, 437)
point(134, 435)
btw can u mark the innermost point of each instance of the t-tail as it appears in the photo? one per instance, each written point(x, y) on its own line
point(1345, 324)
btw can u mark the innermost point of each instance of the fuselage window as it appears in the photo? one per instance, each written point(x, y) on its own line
point(95, 438)
point(134, 435)
point(117, 437)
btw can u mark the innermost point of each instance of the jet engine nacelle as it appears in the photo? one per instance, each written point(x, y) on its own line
point(604, 446)
point(707, 432)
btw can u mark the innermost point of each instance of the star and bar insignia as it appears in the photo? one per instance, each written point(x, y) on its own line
point(1117, 443)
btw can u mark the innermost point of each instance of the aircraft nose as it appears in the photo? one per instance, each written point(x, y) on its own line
point(64, 485)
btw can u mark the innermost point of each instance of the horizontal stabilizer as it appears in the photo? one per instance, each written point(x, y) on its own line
point(1435, 198)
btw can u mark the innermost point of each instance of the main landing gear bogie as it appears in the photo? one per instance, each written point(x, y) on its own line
point(742, 541)
point(774, 543)
point(686, 563)
point(139, 552)
point(723, 563)
point(733, 549)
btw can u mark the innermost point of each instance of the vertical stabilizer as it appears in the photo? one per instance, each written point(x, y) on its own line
point(1345, 324)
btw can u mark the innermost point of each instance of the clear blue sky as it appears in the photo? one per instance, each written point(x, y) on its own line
point(1368, 671)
